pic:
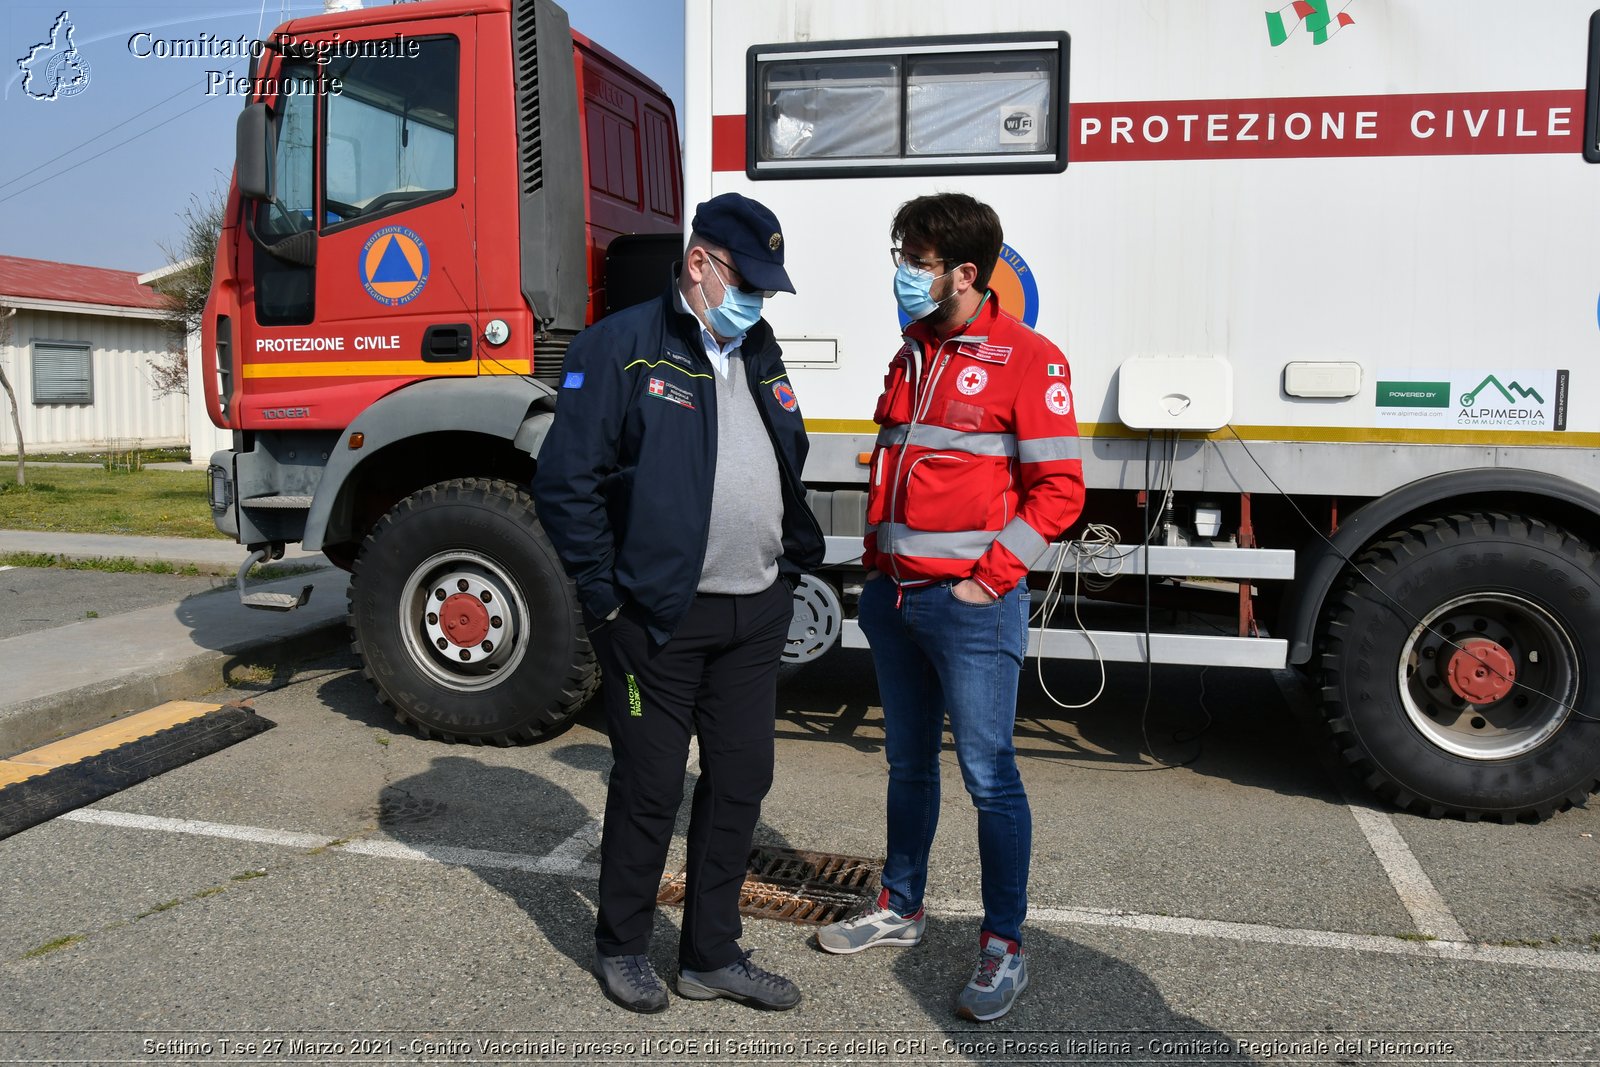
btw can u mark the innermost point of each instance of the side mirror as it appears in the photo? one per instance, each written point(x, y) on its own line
point(253, 152)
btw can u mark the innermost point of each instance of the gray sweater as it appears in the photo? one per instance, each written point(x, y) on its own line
point(746, 534)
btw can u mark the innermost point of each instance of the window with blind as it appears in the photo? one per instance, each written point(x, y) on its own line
point(934, 105)
point(63, 373)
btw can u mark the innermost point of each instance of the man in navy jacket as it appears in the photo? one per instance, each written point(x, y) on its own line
point(670, 487)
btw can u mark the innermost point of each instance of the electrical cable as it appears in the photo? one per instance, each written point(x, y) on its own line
point(1152, 522)
point(1405, 611)
point(90, 140)
point(97, 155)
point(1098, 539)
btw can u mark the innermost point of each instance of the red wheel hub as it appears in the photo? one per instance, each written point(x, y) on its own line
point(1481, 671)
point(465, 620)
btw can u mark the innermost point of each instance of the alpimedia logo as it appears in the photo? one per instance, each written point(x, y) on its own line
point(1468, 399)
point(54, 69)
point(1529, 399)
point(1317, 16)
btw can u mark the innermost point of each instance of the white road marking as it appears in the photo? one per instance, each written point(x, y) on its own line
point(568, 856)
point(1415, 889)
point(259, 835)
point(1428, 909)
point(7, 568)
point(1280, 935)
point(558, 862)
point(565, 861)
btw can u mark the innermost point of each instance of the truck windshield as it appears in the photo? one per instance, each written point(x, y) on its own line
point(391, 130)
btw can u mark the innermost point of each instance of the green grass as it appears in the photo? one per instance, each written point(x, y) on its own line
point(179, 454)
point(165, 905)
point(51, 946)
point(109, 564)
point(261, 572)
point(144, 503)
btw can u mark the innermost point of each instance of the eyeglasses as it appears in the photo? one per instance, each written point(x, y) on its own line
point(901, 258)
point(747, 290)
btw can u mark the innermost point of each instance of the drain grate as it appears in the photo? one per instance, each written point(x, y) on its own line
point(795, 886)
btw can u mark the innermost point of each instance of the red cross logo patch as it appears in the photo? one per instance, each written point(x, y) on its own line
point(972, 380)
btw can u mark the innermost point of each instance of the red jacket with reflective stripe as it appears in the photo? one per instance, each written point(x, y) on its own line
point(977, 466)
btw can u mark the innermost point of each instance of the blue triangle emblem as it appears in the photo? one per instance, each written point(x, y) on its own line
point(393, 265)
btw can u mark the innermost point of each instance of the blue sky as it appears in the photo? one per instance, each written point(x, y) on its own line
point(113, 166)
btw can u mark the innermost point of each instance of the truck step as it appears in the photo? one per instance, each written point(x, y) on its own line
point(276, 601)
point(283, 503)
point(268, 601)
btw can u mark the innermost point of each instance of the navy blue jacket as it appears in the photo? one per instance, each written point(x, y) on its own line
point(625, 476)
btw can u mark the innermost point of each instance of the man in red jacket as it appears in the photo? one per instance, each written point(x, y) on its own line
point(976, 470)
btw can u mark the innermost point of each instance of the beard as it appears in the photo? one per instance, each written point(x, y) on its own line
point(943, 316)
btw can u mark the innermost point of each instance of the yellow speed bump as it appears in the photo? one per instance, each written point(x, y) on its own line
point(112, 735)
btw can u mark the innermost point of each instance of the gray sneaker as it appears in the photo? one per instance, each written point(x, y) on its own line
point(631, 982)
point(880, 926)
point(1001, 974)
point(743, 981)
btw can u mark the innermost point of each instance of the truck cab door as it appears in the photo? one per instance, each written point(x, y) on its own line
point(393, 288)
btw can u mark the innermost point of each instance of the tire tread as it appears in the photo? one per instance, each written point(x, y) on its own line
point(582, 678)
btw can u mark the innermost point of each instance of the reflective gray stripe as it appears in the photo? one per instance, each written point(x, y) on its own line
point(902, 540)
point(1023, 541)
point(890, 436)
point(976, 444)
point(1045, 449)
point(923, 436)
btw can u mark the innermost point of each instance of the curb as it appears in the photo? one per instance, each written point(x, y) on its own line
point(32, 723)
point(37, 720)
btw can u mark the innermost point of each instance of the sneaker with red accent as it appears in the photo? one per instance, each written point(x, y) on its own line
point(881, 926)
point(1001, 974)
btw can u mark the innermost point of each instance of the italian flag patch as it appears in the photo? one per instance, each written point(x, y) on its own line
point(1056, 370)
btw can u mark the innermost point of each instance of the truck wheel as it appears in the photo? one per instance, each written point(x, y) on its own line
point(1468, 692)
point(465, 621)
point(813, 629)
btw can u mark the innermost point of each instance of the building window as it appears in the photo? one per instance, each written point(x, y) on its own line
point(63, 373)
point(930, 106)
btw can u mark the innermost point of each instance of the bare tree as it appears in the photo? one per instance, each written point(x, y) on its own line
point(191, 258)
point(16, 420)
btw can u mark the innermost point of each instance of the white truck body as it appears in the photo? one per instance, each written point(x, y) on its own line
point(1335, 256)
point(1424, 214)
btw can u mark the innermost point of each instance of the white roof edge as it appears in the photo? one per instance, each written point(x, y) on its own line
point(169, 270)
point(73, 307)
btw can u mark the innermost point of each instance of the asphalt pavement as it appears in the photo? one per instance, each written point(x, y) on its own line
point(101, 647)
point(1206, 886)
point(339, 883)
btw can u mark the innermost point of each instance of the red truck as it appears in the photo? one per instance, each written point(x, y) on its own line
point(430, 200)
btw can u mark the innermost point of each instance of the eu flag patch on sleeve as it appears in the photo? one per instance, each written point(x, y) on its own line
point(573, 380)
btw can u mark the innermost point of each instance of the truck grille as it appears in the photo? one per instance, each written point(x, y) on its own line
point(530, 146)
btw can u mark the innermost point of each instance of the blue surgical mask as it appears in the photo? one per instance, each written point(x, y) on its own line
point(913, 290)
point(738, 311)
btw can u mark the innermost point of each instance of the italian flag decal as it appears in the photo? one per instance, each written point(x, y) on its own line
point(1314, 13)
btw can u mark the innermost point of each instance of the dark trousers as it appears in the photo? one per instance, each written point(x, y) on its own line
point(716, 677)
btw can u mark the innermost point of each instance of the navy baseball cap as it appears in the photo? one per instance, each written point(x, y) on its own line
point(752, 236)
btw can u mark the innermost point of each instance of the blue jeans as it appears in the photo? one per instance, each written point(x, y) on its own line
point(937, 655)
